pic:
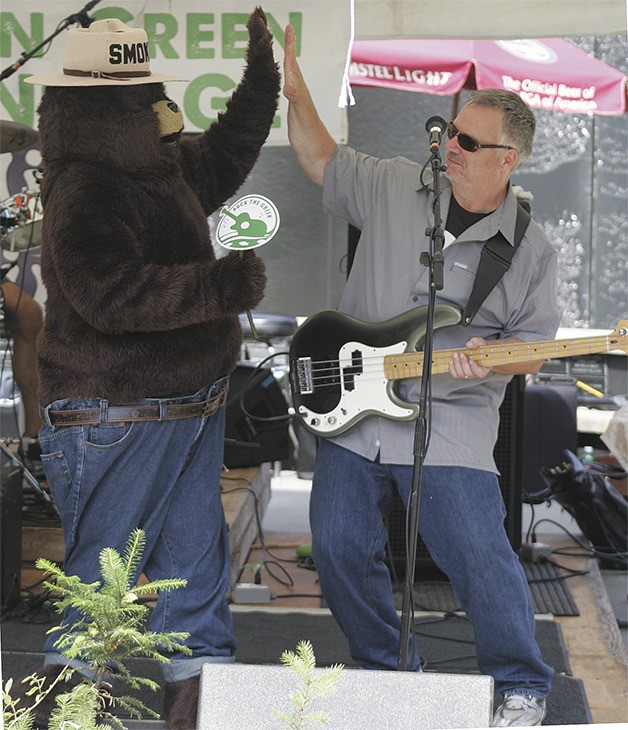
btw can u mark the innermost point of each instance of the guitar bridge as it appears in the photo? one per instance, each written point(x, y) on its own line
point(302, 376)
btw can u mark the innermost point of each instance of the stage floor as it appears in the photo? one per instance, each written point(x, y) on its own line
point(595, 648)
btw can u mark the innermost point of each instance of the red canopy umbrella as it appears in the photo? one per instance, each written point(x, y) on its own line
point(549, 73)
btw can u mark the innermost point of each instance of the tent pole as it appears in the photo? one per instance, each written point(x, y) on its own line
point(454, 106)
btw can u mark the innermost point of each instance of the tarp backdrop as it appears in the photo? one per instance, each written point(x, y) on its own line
point(577, 172)
point(493, 19)
point(206, 42)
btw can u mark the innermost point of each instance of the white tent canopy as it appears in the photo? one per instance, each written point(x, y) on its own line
point(491, 19)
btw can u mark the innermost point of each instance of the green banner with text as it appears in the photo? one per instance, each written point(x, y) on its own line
point(204, 42)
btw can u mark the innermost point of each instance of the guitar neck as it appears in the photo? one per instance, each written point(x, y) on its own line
point(410, 364)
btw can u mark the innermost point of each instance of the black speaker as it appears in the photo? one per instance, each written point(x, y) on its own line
point(550, 426)
point(255, 394)
point(508, 454)
point(11, 538)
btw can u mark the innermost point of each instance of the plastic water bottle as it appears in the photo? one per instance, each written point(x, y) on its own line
point(587, 455)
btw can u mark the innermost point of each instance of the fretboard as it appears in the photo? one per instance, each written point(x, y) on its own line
point(410, 364)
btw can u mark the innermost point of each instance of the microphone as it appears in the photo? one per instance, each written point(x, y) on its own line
point(435, 126)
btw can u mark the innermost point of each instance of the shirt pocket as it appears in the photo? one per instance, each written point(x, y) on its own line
point(459, 280)
point(419, 291)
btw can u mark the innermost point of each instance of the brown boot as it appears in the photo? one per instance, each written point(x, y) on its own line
point(42, 712)
point(181, 703)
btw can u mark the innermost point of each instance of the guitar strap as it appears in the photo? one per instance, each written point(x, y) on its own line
point(494, 263)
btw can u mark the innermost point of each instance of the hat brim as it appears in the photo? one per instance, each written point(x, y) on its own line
point(61, 79)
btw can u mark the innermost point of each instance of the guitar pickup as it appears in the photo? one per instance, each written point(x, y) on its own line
point(356, 368)
point(302, 370)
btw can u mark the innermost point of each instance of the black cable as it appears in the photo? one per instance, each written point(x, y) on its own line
point(32, 609)
point(250, 382)
point(443, 619)
point(531, 524)
point(257, 517)
point(260, 534)
point(283, 560)
point(620, 558)
point(431, 609)
point(422, 173)
point(565, 567)
point(435, 662)
point(556, 578)
point(306, 563)
point(443, 638)
point(289, 582)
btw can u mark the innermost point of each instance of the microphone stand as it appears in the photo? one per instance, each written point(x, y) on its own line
point(81, 17)
point(434, 260)
point(26, 473)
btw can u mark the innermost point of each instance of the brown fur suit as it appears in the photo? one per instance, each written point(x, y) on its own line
point(138, 306)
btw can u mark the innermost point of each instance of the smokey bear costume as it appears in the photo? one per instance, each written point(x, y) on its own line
point(142, 329)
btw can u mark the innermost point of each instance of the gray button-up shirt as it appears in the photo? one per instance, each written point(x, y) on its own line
point(384, 199)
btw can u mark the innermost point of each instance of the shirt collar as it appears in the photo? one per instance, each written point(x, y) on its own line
point(502, 219)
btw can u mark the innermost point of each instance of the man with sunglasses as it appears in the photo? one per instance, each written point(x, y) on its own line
point(359, 472)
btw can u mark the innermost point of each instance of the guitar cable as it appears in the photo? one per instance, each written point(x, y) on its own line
point(251, 382)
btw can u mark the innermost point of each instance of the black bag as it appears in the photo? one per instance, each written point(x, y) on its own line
point(598, 508)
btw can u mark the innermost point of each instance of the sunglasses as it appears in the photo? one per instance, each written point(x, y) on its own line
point(472, 145)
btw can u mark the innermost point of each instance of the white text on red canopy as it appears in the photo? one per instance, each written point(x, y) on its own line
point(399, 74)
point(554, 96)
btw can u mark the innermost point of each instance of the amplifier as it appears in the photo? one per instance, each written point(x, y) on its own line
point(249, 441)
point(606, 372)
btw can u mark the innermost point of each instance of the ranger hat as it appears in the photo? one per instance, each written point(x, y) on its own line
point(107, 53)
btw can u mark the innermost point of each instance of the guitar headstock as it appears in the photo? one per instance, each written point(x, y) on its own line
point(619, 336)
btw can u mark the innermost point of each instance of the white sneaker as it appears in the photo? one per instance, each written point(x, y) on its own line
point(519, 710)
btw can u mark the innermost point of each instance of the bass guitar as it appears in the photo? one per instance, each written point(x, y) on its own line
point(343, 370)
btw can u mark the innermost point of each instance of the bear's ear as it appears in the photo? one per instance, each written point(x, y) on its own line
point(148, 94)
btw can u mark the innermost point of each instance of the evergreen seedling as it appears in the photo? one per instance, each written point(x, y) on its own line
point(110, 631)
point(314, 685)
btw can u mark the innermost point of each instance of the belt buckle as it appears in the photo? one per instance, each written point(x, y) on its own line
point(214, 403)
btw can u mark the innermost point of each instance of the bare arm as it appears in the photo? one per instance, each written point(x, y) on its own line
point(309, 138)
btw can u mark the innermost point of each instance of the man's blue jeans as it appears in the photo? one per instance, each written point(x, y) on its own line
point(461, 521)
point(162, 477)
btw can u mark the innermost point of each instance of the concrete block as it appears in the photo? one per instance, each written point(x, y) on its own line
point(245, 696)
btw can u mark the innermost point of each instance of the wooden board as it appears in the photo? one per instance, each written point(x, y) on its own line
point(245, 492)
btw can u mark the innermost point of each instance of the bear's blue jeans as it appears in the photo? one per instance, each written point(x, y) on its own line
point(162, 477)
point(461, 521)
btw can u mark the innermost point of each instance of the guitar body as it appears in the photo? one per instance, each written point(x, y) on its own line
point(343, 369)
point(337, 366)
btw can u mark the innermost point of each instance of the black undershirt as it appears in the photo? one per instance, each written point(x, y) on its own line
point(459, 219)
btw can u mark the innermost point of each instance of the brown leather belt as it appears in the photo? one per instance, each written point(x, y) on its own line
point(120, 414)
